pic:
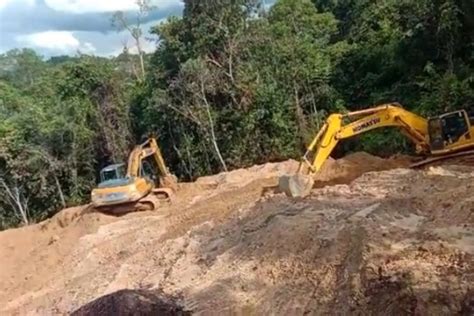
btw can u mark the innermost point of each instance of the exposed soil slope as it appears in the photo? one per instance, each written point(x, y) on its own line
point(379, 242)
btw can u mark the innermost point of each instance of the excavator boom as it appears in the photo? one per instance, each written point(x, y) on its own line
point(342, 126)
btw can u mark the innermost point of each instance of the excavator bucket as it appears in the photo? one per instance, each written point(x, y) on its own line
point(297, 185)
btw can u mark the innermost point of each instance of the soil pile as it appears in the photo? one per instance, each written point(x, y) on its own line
point(242, 177)
point(388, 242)
point(354, 165)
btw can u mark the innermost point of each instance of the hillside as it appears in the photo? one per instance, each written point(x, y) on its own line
point(222, 85)
point(368, 240)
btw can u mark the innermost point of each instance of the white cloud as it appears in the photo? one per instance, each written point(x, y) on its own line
point(59, 41)
point(34, 24)
point(87, 47)
point(147, 47)
point(4, 3)
point(85, 6)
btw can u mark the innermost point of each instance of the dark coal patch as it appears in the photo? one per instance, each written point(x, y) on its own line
point(133, 303)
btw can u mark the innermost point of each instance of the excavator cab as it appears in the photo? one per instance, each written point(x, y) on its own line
point(113, 172)
point(448, 130)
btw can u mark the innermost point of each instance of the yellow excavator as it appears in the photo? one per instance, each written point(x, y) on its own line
point(436, 138)
point(140, 185)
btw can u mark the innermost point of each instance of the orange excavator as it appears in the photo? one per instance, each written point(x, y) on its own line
point(436, 138)
point(140, 185)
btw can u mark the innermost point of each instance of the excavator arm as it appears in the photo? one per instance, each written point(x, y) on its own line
point(342, 126)
point(142, 151)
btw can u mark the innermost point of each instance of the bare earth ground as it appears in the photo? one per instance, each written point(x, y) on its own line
point(366, 241)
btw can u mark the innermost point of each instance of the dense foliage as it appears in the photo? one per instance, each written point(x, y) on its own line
point(229, 85)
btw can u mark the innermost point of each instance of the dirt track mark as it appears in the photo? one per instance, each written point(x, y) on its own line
point(216, 208)
point(350, 274)
point(270, 218)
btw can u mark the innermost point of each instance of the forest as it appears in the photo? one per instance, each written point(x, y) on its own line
point(230, 84)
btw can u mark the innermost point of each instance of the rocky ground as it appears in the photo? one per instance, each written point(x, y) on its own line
point(366, 241)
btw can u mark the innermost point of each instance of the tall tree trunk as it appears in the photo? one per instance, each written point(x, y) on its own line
point(15, 202)
point(315, 110)
point(212, 132)
point(74, 167)
point(60, 191)
point(140, 56)
point(22, 208)
point(302, 126)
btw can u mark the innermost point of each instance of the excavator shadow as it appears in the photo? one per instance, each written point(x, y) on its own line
point(127, 208)
point(118, 211)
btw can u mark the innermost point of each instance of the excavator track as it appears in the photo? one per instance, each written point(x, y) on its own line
point(116, 210)
point(465, 158)
point(150, 202)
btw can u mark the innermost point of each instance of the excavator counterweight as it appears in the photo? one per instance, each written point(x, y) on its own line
point(436, 138)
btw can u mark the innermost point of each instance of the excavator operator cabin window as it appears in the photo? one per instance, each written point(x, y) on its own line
point(121, 172)
point(113, 173)
point(108, 175)
point(454, 127)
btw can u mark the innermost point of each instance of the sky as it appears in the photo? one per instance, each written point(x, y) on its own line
point(64, 27)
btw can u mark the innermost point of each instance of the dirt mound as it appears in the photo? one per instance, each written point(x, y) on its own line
point(242, 177)
point(32, 254)
point(132, 302)
point(354, 165)
point(333, 171)
point(389, 242)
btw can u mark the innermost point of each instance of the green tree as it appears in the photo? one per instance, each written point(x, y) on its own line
point(21, 67)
